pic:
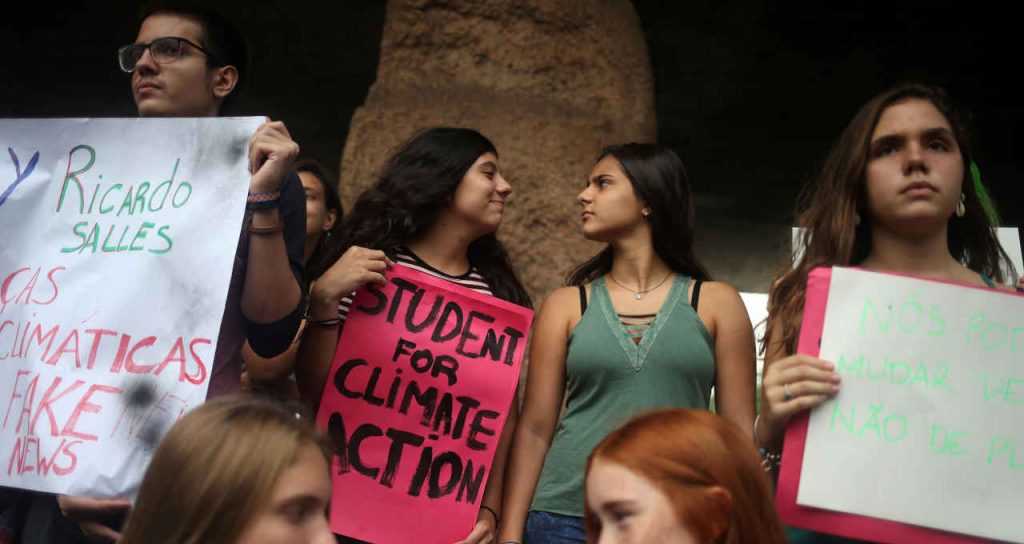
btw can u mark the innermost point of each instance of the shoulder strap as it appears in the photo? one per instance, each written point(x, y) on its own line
point(696, 294)
point(583, 299)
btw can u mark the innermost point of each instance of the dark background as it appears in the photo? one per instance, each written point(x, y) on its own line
point(751, 94)
point(754, 93)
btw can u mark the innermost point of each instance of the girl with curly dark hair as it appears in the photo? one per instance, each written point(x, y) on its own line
point(435, 207)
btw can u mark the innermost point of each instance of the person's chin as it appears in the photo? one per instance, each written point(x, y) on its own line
point(151, 107)
point(592, 233)
point(918, 222)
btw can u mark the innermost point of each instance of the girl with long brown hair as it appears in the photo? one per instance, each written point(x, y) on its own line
point(899, 192)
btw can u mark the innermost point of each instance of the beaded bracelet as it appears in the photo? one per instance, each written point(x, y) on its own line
point(770, 460)
point(263, 201)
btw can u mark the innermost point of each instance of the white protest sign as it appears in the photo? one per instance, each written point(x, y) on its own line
point(757, 310)
point(119, 238)
point(927, 426)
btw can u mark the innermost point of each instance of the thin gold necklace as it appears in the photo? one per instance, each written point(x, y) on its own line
point(639, 294)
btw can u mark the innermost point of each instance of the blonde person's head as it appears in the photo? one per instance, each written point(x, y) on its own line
point(216, 471)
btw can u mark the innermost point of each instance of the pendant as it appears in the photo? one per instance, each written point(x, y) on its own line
point(639, 296)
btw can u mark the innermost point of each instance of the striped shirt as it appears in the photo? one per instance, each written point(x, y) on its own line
point(471, 279)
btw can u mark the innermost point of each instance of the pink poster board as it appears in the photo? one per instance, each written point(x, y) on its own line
point(417, 397)
point(827, 521)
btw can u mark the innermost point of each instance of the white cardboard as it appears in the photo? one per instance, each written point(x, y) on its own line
point(168, 283)
point(939, 359)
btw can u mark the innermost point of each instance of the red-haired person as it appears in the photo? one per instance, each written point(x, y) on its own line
point(681, 476)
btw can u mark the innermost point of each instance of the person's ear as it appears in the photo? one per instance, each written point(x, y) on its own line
point(720, 501)
point(225, 79)
point(329, 219)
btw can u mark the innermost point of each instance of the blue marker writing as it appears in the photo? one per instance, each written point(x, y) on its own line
point(21, 176)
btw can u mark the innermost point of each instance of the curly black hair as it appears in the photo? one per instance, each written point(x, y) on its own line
point(414, 186)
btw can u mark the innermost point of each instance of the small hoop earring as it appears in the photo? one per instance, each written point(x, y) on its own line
point(856, 219)
point(960, 208)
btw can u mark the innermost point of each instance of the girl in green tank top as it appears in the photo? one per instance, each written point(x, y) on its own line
point(639, 327)
point(898, 193)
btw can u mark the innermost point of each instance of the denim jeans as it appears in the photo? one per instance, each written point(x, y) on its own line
point(548, 528)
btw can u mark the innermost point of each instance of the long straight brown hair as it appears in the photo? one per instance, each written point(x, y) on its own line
point(214, 470)
point(829, 206)
point(686, 453)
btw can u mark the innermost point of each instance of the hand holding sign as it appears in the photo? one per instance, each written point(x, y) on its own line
point(791, 385)
point(271, 153)
point(484, 532)
point(356, 267)
point(90, 514)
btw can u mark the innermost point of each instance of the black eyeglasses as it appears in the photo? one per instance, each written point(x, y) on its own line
point(164, 50)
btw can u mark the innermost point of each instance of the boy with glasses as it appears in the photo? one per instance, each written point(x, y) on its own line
point(190, 62)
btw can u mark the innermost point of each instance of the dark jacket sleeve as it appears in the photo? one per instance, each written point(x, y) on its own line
point(270, 339)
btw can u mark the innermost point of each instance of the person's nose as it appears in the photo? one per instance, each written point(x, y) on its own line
point(146, 65)
point(915, 160)
point(585, 197)
point(503, 187)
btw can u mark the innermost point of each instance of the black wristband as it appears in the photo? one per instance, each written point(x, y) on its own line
point(262, 205)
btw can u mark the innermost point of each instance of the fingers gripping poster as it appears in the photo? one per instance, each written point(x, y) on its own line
point(117, 241)
point(417, 397)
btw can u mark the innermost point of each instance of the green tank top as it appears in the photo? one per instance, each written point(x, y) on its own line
point(609, 379)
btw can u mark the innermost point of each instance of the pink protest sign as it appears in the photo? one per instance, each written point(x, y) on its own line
point(848, 523)
point(415, 404)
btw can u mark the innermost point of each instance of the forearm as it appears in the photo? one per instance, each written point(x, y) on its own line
point(768, 433)
point(495, 484)
point(525, 463)
point(739, 413)
point(316, 350)
point(735, 356)
point(271, 368)
point(736, 400)
point(271, 290)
